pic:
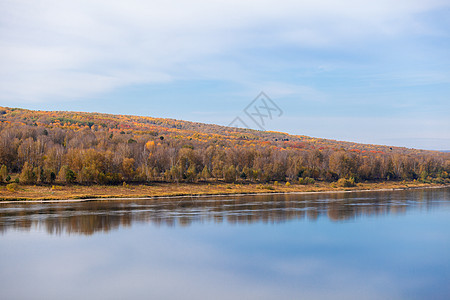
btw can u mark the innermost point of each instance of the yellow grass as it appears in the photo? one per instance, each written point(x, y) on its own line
point(171, 189)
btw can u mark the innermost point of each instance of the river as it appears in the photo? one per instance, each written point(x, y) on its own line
point(363, 245)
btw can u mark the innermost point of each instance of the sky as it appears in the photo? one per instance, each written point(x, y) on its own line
point(365, 71)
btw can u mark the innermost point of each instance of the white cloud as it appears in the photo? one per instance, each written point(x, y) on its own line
point(74, 49)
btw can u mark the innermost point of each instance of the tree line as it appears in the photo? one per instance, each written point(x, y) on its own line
point(35, 154)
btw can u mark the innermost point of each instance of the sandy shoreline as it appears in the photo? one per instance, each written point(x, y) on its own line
point(31, 201)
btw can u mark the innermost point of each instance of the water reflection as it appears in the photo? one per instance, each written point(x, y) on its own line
point(90, 217)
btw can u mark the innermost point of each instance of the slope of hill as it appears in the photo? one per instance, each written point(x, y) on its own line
point(86, 148)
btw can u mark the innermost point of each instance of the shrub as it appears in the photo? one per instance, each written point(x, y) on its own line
point(205, 173)
point(191, 174)
point(28, 176)
point(439, 180)
point(70, 176)
point(3, 173)
point(52, 177)
point(230, 174)
point(288, 183)
point(67, 175)
point(12, 187)
point(343, 182)
point(331, 176)
point(125, 185)
point(266, 187)
point(306, 181)
point(48, 176)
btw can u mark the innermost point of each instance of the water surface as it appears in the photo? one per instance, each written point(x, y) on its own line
point(367, 245)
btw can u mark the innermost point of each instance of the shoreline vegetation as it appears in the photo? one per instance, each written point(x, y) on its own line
point(75, 155)
point(79, 193)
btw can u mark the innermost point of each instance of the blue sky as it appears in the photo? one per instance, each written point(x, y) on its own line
point(365, 71)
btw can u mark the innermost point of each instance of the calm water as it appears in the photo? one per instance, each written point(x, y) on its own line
point(371, 245)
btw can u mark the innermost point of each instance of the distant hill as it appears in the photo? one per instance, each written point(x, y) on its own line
point(106, 148)
point(129, 124)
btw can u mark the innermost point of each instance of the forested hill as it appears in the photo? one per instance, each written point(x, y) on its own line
point(137, 127)
point(47, 146)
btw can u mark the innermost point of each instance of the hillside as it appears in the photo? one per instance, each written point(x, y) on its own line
point(94, 148)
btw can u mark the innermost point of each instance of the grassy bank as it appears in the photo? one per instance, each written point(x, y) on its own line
point(23, 192)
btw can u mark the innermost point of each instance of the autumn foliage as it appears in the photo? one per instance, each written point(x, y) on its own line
point(91, 148)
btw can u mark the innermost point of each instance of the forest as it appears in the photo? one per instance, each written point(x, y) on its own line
point(47, 147)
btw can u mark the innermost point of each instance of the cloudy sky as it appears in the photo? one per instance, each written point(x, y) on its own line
point(366, 71)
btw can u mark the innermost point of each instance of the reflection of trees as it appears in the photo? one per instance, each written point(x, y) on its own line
point(90, 217)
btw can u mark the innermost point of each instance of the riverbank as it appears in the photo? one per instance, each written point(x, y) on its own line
point(158, 190)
